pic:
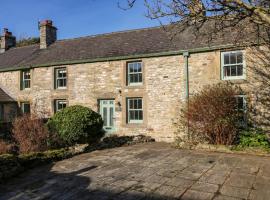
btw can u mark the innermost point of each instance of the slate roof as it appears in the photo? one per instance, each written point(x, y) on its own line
point(118, 44)
point(4, 97)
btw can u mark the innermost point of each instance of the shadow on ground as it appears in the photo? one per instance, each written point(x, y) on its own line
point(43, 183)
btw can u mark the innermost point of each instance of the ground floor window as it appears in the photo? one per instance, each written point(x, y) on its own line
point(241, 106)
point(60, 104)
point(25, 107)
point(135, 110)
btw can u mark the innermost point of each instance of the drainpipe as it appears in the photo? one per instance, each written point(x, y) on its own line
point(186, 56)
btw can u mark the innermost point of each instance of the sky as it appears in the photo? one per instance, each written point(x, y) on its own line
point(73, 18)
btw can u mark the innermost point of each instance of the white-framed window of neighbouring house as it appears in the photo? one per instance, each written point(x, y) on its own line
point(134, 110)
point(25, 107)
point(25, 79)
point(233, 65)
point(61, 78)
point(134, 73)
point(2, 111)
point(60, 104)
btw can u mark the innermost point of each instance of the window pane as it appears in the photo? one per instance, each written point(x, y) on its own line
point(233, 58)
point(233, 70)
point(139, 67)
point(136, 115)
point(131, 106)
point(227, 71)
point(130, 65)
point(140, 77)
point(226, 58)
point(136, 78)
point(25, 107)
point(239, 70)
point(240, 103)
point(140, 115)
point(105, 116)
point(139, 104)
point(131, 115)
point(131, 78)
point(111, 116)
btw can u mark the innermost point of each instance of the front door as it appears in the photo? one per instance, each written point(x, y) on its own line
point(107, 112)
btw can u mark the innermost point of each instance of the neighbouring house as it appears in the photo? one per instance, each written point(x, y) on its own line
point(137, 79)
point(8, 107)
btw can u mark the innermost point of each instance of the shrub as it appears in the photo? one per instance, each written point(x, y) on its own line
point(211, 115)
point(254, 138)
point(31, 133)
point(11, 165)
point(76, 124)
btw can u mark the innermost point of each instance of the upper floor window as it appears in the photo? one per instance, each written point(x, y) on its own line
point(25, 107)
point(25, 79)
point(135, 110)
point(233, 65)
point(61, 78)
point(134, 73)
point(60, 104)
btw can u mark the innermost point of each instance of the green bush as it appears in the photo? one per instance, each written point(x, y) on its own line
point(11, 165)
point(254, 138)
point(76, 124)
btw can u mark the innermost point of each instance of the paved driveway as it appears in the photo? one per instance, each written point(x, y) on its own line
point(146, 171)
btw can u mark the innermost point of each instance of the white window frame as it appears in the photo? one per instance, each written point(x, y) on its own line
point(129, 73)
point(26, 79)
point(22, 107)
point(60, 78)
point(128, 109)
point(56, 104)
point(223, 65)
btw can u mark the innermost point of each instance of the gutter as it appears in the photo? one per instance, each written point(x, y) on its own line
point(107, 59)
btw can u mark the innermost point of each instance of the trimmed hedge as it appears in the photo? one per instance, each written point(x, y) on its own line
point(11, 165)
point(77, 124)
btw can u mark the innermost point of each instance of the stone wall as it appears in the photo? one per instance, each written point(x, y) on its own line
point(163, 89)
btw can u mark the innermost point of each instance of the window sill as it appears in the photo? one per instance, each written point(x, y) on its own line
point(26, 89)
point(61, 88)
point(234, 78)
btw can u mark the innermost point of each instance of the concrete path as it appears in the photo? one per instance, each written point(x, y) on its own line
point(146, 171)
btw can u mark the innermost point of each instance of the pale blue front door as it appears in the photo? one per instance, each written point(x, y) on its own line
point(107, 111)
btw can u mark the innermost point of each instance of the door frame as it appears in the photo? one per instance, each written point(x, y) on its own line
point(100, 109)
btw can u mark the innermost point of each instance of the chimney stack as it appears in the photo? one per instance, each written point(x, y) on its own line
point(7, 41)
point(48, 33)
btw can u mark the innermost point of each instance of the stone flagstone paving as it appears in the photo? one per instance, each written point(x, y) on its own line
point(146, 171)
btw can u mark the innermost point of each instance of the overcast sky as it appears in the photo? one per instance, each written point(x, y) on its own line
point(73, 18)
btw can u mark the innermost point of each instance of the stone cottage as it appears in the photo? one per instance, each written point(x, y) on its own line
point(135, 79)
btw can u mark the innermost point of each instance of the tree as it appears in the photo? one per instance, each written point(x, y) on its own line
point(26, 41)
point(247, 21)
point(222, 14)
